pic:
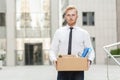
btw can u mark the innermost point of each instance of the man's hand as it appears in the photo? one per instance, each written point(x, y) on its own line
point(55, 63)
point(89, 63)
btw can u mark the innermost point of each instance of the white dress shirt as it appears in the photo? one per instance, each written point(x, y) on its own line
point(80, 40)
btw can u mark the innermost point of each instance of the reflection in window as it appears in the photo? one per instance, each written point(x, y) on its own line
point(88, 18)
point(33, 18)
point(2, 19)
point(3, 50)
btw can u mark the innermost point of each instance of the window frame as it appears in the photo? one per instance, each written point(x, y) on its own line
point(2, 19)
point(86, 16)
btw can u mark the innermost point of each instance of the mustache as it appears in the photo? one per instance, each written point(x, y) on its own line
point(71, 19)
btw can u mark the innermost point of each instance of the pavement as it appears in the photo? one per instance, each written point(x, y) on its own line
point(47, 72)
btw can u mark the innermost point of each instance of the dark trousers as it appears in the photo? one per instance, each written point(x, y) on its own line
point(70, 75)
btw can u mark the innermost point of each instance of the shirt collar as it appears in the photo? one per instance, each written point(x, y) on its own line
point(74, 27)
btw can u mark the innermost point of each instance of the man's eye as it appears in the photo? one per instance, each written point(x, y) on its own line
point(71, 15)
point(68, 15)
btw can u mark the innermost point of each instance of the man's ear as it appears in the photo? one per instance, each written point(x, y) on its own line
point(77, 16)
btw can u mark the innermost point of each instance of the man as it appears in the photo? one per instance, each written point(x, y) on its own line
point(61, 44)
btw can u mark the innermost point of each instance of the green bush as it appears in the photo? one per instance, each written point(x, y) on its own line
point(115, 51)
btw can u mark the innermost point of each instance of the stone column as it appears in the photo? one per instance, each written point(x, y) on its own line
point(54, 16)
point(10, 30)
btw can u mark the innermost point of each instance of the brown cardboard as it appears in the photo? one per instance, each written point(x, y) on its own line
point(72, 63)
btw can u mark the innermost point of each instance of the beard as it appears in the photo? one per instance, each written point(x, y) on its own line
point(71, 23)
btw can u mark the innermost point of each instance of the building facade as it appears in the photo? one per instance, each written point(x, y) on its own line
point(27, 27)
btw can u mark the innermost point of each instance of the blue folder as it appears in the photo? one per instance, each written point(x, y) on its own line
point(86, 51)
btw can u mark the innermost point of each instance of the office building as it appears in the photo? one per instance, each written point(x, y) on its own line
point(27, 27)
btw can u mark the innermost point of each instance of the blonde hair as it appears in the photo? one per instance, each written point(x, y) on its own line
point(70, 7)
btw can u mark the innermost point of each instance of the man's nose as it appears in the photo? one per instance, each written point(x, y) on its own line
point(71, 16)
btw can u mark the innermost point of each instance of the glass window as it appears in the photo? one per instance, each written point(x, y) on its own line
point(2, 19)
point(32, 31)
point(33, 18)
point(88, 18)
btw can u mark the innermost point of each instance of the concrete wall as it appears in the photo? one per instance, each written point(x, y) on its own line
point(118, 20)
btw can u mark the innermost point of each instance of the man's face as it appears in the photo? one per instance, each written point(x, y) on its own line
point(71, 17)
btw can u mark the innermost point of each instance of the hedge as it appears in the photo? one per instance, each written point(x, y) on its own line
point(115, 51)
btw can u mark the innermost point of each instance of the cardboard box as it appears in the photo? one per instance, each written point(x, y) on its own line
point(71, 63)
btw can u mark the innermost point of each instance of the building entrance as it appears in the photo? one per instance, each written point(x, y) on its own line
point(33, 54)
